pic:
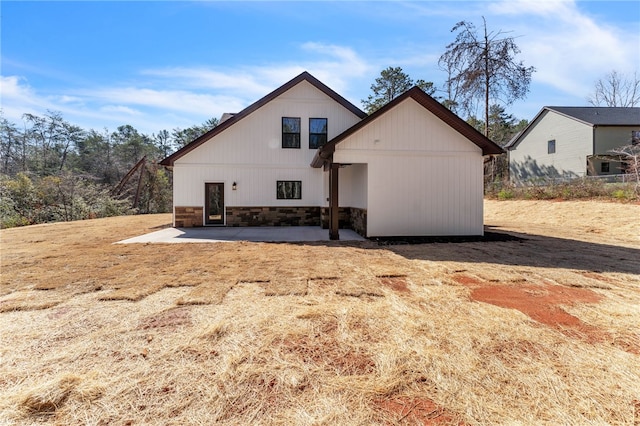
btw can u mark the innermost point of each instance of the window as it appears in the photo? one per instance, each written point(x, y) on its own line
point(289, 190)
point(604, 167)
point(317, 132)
point(290, 132)
point(635, 137)
point(551, 146)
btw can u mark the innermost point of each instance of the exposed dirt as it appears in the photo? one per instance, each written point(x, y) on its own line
point(418, 411)
point(398, 284)
point(171, 318)
point(543, 302)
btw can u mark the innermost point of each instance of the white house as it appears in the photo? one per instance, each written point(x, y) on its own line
point(304, 155)
point(571, 142)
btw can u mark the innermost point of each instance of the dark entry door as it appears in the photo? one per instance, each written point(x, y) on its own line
point(214, 204)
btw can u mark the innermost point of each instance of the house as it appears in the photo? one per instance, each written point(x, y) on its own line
point(304, 155)
point(571, 142)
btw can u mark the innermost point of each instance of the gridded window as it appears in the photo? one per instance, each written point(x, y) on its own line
point(289, 190)
point(290, 132)
point(551, 146)
point(604, 167)
point(317, 132)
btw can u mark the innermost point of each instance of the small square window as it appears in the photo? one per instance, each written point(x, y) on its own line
point(604, 167)
point(290, 132)
point(289, 190)
point(551, 146)
point(317, 132)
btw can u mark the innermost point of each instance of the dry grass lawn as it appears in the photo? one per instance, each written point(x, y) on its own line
point(539, 331)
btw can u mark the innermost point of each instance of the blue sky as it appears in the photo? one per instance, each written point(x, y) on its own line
point(162, 65)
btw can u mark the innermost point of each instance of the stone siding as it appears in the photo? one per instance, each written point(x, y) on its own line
point(273, 216)
point(350, 217)
point(344, 215)
point(188, 217)
point(358, 220)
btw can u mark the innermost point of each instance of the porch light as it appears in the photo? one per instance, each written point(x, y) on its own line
point(234, 186)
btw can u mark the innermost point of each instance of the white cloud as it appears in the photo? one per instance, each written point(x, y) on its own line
point(120, 109)
point(18, 98)
point(335, 65)
point(569, 49)
point(532, 7)
point(65, 99)
point(170, 100)
point(204, 78)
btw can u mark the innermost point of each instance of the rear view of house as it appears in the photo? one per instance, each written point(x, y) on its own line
point(304, 155)
point(572, 142)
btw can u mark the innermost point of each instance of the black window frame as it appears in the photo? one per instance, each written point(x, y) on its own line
point(551, 146)
point(605, 165)
point(315, 135)
point(292, 136)
point(282, 194)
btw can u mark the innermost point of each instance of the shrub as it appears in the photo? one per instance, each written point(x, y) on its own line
point(505, 194)
point(585, 188)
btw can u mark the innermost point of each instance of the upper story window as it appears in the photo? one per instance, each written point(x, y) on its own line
point(317, 132)
point(290, 132)
point(551, 146)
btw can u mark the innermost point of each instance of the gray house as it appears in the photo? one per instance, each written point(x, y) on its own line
point(571, 142)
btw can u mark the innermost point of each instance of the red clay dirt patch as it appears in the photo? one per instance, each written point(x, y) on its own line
point(171, 318)
point(417, 411)
point(542, 303)
point(323, 349)
point(396, 283)
point(324, 352)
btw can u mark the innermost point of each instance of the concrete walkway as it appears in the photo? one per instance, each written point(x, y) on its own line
point(229, 234)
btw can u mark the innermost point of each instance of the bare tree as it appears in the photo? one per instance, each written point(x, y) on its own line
point(482, 68)
point(616, 90)
point(630, 156)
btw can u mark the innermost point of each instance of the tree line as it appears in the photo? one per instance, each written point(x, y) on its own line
point(52, 170)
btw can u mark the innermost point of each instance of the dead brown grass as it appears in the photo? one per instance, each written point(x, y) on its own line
point(253, 333)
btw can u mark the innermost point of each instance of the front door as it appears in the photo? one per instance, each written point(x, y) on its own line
point(214, 204)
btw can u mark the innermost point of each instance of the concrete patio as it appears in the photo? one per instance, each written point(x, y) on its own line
point(230, 234)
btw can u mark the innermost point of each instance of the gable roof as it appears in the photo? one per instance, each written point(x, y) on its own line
point(591, 116)
point(436, 108)
point(230, 121)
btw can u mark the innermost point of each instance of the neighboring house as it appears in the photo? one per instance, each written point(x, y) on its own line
point(304, 155)
point(571, 142)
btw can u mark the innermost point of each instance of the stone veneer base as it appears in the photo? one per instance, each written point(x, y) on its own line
point(273, 216)
point(350, 217)
point(187, 217)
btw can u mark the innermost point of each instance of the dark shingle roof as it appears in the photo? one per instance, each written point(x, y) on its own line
point(601, 116)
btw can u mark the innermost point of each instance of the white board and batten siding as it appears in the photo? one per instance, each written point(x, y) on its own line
point(423, 177)
point(250, 153)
